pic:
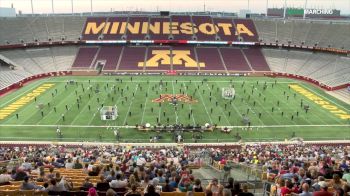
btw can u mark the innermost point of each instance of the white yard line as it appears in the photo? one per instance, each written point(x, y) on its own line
point(176, 116)
point(145, 104)
point(223, 112)
point(85, 105)
point(160, 110)
point(131, 101)
point(194, 121)
point(63, 102)
point(268, 111)
point(205, 107)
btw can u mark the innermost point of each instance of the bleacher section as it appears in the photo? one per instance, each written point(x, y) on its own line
point(178, 58)
point(342, 94)
point(325, 33)
point(328, 69)
point(14, 30)
point(35, 61)
point(335, 34)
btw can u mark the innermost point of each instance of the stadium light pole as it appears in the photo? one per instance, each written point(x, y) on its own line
point(72, 6)
point(53, 10)
point(267, 7)
point(91, 7)
point(304, 8)
point(285, 9)
point(31, 3)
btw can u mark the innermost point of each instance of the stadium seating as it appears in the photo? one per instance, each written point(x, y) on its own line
point(328, 69)
point(211, 58)
point(41, 28)
point(335, 34)
point(122, 58)
point(234, 59)
point(132, 56)
point(30, 62)
point(85, 57)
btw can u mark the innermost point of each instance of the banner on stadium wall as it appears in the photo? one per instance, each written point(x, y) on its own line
point(136, 28)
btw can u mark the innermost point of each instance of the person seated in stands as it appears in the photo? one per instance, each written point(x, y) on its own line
point(111, 176)
point(245, 191)
point(63, 181)
point(118, 182)
point(197, 187)
point(323, 191)
point(55, 186)
point(106, 171)
point(287, 189)
point(111, 192)
point(133, 180)
point(91, 165)
point(102, 184)
point(167, 187)
point(95, 171)
point(236, 188)
point(230, 183)
point(343, 166)
point(5, 178)
point(86, 168)
point(174, 179)
point(317, 186)
point(47, 162)
point(272, 172)
point(26, 165)
point(92, 192)
point(151, 191)
point(215, 187)
point(185, 185)
point(118, 170)
point(57, 164)
point(51, 173)
point(26, 185)
point(305, 190)
point(146, 181)
point(208, 192)
point(19, 175)
point(133, 191)
point(87, 184)
point(336, 182)
point(41, 177)
point(346, 175)
point(160, 177)
point(77, 165)
point(226, 192)
point(69, 164)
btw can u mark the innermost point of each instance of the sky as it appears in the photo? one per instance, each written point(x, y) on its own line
point(256, 6)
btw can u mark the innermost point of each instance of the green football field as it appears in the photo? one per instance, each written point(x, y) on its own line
point(262, 100)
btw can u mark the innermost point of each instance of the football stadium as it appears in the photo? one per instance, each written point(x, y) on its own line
point(134, 98)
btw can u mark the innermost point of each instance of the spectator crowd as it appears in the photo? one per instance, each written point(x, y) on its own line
point(299, 169)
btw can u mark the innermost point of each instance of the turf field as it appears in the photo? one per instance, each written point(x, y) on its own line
point(136, 98)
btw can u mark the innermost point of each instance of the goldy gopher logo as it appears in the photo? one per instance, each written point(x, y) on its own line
point(170, 97)
point(179, 57)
